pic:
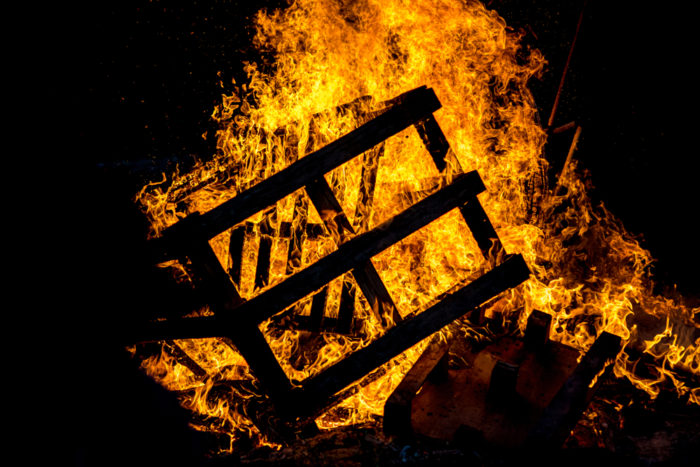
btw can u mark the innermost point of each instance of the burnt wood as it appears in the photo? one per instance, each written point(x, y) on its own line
point(397, 408)
point(184, 359)
point(350, 255)
point(561, 414)
point(537, 329)
point(235, 251)
point(340, 229)
point(434, 140)
point(262, 268)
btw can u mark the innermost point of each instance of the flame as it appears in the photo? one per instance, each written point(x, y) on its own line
point(589, 273)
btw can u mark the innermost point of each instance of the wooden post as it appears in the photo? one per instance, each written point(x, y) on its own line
point(561, 415)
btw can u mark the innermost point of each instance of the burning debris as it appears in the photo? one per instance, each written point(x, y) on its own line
point(307, 313)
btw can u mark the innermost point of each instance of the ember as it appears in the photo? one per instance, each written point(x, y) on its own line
point(337, 230)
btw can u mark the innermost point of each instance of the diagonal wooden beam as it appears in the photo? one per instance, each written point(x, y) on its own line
point(317, 391)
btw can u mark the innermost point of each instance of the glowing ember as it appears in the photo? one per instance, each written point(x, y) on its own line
point(588, 272)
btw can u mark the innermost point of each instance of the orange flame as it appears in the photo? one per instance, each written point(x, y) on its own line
point(589, 273)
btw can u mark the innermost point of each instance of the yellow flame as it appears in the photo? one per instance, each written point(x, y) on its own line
point(589, 273)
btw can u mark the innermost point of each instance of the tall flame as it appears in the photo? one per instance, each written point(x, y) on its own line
point(589, 273)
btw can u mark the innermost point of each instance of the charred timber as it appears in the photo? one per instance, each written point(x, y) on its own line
point(341, 230)
point(397, 409)
point(562, 413)
point(348, 256)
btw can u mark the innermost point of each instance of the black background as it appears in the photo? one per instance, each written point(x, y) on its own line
point(136, 81)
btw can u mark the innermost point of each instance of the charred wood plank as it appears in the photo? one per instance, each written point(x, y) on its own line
point(414, 107)
point(262, 269)
point(537, 329)
point(235, 251)
point(247, 340)
point(368, 182)
point(365, 274)
point(561, 414)
point(397, 409)
point(184, 359)
point(147, 350)
point(434, 140)
point(348, 256)
point(346, 309)
point(482, 230)
point(502, 384)
point(318, 390)
point(297, 233)
point(447, 163)
point(318, 306)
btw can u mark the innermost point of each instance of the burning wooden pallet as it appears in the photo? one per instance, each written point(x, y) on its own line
point(237, 320)
point(514, 392)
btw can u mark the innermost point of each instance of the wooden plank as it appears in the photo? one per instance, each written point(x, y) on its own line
point(434, 140)
point(346, 309)
point(246, 338)
point(146, 350)
point(537, 330)
point(184, 359)
point(366, 276)
point(318, 390)
point(235, 251)
point(414, 107)
point(561, 414)
point(348, 256)
point(397, 409)
point(479, 400)
point(266, 230)
point(318, 306)
point(297, 234)
point(482, 230)
point(447, 163)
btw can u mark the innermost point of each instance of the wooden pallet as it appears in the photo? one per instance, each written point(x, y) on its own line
point(237, 320)
point(512, 393)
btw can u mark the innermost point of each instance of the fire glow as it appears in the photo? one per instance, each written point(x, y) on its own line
point(587, 271)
